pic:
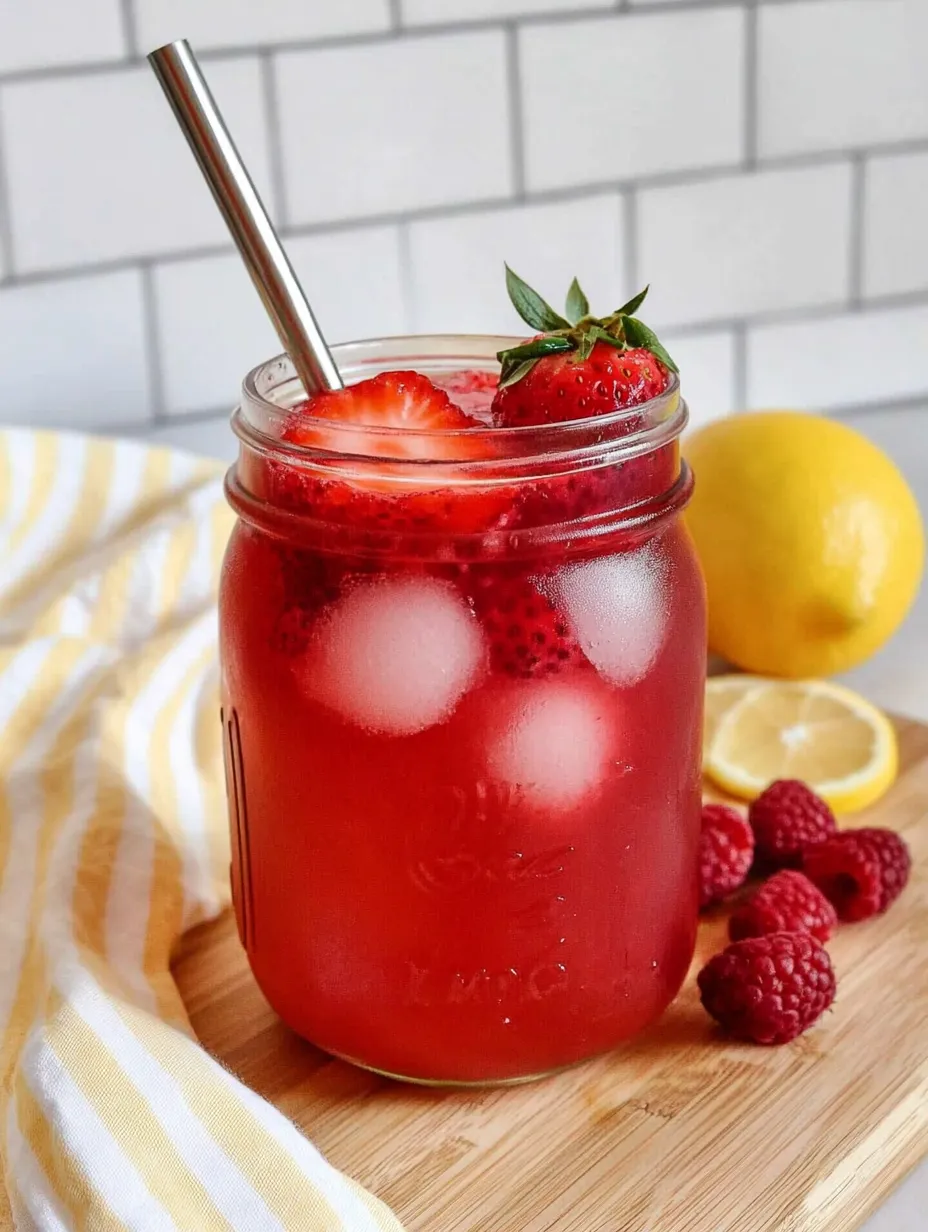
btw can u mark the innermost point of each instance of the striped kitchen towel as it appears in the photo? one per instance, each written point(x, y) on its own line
point(112, 842)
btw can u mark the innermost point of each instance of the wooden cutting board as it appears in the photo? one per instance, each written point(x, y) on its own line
point(679, 1131)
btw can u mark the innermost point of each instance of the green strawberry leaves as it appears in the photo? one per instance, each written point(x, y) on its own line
point(578, 332)
point(577, 306)
point(641, 335)
point(520, 360)
point(531, 307)
point(629, 309)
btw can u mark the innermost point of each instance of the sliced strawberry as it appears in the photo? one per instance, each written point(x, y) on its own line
point(403, 400)
point(528, 637)
point(373, 497)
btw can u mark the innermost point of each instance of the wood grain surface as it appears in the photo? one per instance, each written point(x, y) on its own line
point(679, 1131)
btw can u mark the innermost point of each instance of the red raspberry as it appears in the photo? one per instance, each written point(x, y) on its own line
point(787, 817)
point(860, 871)
point(768, 989)
point(789, 903)
point(726, 849)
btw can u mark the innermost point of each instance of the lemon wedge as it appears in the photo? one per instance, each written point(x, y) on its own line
point(826, 735)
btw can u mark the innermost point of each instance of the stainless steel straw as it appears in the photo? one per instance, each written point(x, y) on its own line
point(198, 116)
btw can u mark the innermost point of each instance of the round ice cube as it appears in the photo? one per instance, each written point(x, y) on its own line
point(617, 608)
point(553, 740)
point(396, 655)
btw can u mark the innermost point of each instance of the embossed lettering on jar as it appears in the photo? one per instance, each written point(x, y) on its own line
point(464, 743)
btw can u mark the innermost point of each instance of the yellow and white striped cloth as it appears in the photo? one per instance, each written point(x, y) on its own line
point(112, 842)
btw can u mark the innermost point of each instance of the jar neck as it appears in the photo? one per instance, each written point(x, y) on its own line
point(616, 474)
point(608, 529)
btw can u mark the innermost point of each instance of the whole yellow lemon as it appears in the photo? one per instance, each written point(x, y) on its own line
point(810, 539)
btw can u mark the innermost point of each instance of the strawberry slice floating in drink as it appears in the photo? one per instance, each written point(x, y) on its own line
point(394, 415)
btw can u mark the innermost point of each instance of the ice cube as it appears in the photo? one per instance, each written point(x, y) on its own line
point(553, 740)
point(617, 607)
point(395, 655)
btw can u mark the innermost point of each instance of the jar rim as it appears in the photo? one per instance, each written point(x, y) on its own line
point(272, 389)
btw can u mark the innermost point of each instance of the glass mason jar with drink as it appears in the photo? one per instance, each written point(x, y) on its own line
point(463, 660)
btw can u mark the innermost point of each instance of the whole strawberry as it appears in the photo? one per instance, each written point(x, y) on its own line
point(579, 365)
point(726, 850)
point(768, 989)
point(860, 871)
point(787, 818)
point(788, 902)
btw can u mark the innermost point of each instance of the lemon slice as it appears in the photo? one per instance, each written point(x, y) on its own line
point(722, 692)
point(826, 735)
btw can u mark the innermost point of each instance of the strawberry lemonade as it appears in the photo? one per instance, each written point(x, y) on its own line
point(463, 659)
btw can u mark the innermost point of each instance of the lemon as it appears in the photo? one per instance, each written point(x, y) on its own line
point(810, 540)
point(826, 735)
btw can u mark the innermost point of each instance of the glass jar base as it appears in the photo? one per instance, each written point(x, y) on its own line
point(465, 1083)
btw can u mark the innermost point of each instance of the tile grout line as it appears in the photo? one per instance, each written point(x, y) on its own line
point(396, 14)
point(407, 285)
point(740, 366)
point(857, 233)
point(129, 27)
point(372, 37)
point(750, 85)
point(516, 125)
point(153, 348)
point(7, 264)
point(269, 94)
point(629, 240)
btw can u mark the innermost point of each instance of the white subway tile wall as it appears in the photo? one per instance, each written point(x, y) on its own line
point(740, 245)
point(394, 125)
point(896, 213)
point(618, 97)
point(97, 171)
point(41, 33)
point(839, 73)
point(74, 353)
point(243, 23)
point(456, 264)
point(762, 163)
point(840, 361)
point(434, 12)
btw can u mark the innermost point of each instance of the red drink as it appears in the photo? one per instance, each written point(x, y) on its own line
point(464, 763)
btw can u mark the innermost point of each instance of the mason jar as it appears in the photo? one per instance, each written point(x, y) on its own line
point(462, 705)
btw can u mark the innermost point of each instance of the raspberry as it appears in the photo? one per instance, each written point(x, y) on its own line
point(860, 871)
point(768, 989)
point(726, 849)
point(788, 902)
point(787, 817)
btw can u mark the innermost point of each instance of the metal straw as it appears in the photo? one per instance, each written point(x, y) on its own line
point(198, 116)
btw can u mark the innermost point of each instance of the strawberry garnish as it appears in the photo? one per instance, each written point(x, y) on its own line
point(390, 400)
point(579, 365)
point(394, 415)
point(527, 635)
